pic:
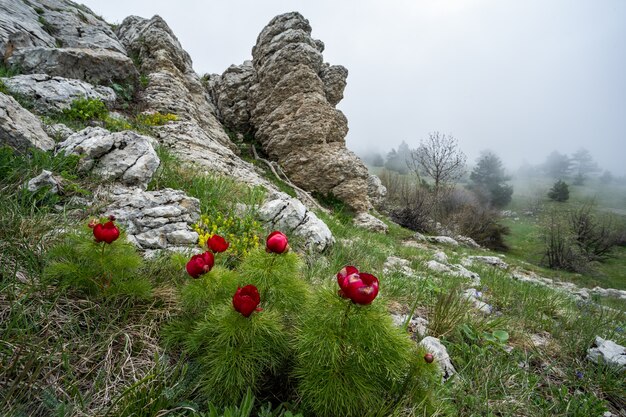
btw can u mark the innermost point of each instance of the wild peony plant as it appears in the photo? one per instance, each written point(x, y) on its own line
point(277, 275)
point(352, 361)
point(238, 347)
point(242, 233)
point(97, 263)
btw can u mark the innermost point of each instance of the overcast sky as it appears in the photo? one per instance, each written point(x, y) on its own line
point(519, 77)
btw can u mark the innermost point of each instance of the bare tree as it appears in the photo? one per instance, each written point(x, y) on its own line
point(439, 158)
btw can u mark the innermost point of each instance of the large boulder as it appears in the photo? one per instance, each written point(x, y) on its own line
point(292, 109)
point(52, 94)
point(154, 220)
point(125, 157)
point(290, 216)
point(52, 23)
point(19, 128)
point(230, 93)
point(97, 66)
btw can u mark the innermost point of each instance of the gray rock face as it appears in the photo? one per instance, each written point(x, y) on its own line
point(488, 260)
point(608, 352)
point(52, 23)
point(439, 351)
point(19, 128)
point(126, 157)
point(58, 131)
point(173, 85)
point(444, 240)
point(45, 179)
point(455, 270)
point(467, 241)
point(393, 264)
point(290, 216)
point(97, 66)
point(418, 326)
point(376, 191)
point(295, 121)
point(369, 222)
point(155, 219)
point(230, 92)
point(50, 94)
point(441, 257)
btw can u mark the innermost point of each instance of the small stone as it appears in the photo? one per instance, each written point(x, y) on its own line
point(608, 352)
point(45, 179)
point(439, 351)
point(369, 222)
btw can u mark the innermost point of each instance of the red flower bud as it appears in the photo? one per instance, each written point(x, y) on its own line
point(107, 232)
point(429, 358)
point(217, 244)
point(200, 264)
point(246, 300)
point(277, 243)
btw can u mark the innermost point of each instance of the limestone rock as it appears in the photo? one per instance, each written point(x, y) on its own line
point(295, 122)
point(489, 260)
point(51, 94)
point(334, 78)
point(97, 66)
point(160, 219)
point(290, 216)
point(441, 257)
point(173, 86)
point(19, 128)
point(455, 269)
point(230, 92)
point(475, 297)
point(193, 145)
point(369, 222)
point(608, 352)
point(376, 191)
point(439, 351)
point(444, 240)
point(418, 326)
point(393, 264)
point(58, 131)
point(52, 23)
point(467, 241)
point(45, 179)
point(125, 156)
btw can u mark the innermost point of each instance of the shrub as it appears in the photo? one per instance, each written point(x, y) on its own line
point(78, 262)
point(594, 236)
point(156, 119)
point(352, 361)
point(481, 224)
point(559, 191)
point(84, 110)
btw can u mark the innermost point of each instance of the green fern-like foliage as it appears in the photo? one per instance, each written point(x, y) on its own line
point(277, 276)
point(352, 361)
point(198, 295)
point(236, 352)
point(80, 263)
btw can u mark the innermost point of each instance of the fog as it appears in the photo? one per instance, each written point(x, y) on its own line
point(522, 78)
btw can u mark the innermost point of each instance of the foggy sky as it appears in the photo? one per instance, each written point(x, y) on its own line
point(522, 78)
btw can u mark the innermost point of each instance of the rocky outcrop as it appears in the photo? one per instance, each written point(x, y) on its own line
point(53, 94)
point(290, 216)
point(475, 297)
point(230, 92)
point(488, 260)
point(173, 87)
point(19, 128)
point(45, 179)
point(125, 157)
point(154, 220)
point(395, 265)
point(442, 358)
point(376, 191)
point(455, 270)
point(97, 66)
point(609, 352)
point(53, 23)
point(292, 111)
point(367, 221)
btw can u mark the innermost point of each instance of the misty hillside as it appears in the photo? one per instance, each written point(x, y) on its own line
point(183, 244)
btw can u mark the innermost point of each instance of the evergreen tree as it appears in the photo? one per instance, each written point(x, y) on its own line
point(557, 165)
point(488, 178)
point(559, 191)
point(583, 165)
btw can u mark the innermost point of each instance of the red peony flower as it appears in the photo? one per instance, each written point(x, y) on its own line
point(246, 300)
point(342, 276)
point(360, 287)
point(200, 264)
point(217, 244)
point(277, 243)
point(107, 232)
